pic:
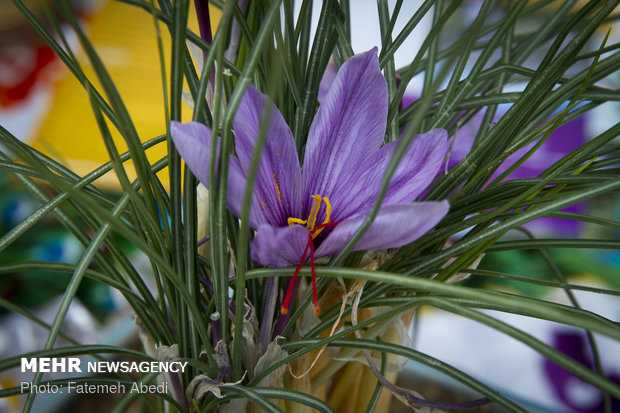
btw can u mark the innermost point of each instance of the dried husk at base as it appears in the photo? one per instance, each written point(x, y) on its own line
point(351, 387)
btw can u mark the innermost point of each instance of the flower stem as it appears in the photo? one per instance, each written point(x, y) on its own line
point(204, 20)
point(267, 321)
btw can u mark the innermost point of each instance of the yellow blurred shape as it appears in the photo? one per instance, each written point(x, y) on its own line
point(126, 40)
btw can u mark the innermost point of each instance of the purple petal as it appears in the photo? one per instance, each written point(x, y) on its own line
point(418, 167)
point(279, 247)
point(327, 80)
point(416, 170)
point(394, 226)
point(279, 175)
point(348, 128)
point(234, 198)
point(193, 141)
point(360, 192)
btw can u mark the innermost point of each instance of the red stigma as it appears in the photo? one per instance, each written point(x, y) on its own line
point(286, 304)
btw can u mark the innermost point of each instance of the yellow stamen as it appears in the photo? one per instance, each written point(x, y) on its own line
point(313, 212)
point(328, 211)
point(310, 223)
point(292, 221)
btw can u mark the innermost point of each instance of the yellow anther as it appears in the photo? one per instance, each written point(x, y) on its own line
point(328, 209)
point(310, 223)
point(313, 212)
point(293, 221)
point(328, 212)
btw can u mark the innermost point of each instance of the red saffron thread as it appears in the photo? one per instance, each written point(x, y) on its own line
point(289, 293)
point(315, 299)
point(286, 304)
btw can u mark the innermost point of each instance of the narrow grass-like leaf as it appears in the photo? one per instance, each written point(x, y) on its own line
point(510, 303)
point(322, 46)
point(242, 242)
point(253, 396)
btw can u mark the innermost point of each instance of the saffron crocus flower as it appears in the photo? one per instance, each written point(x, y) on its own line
point(310, 212)
point(563, 140)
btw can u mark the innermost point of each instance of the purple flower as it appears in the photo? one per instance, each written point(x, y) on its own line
point(563, 140)
point(318, 208)
point(571, 390)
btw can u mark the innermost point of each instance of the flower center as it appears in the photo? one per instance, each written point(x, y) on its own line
point(313, 231)
point(310, 223)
